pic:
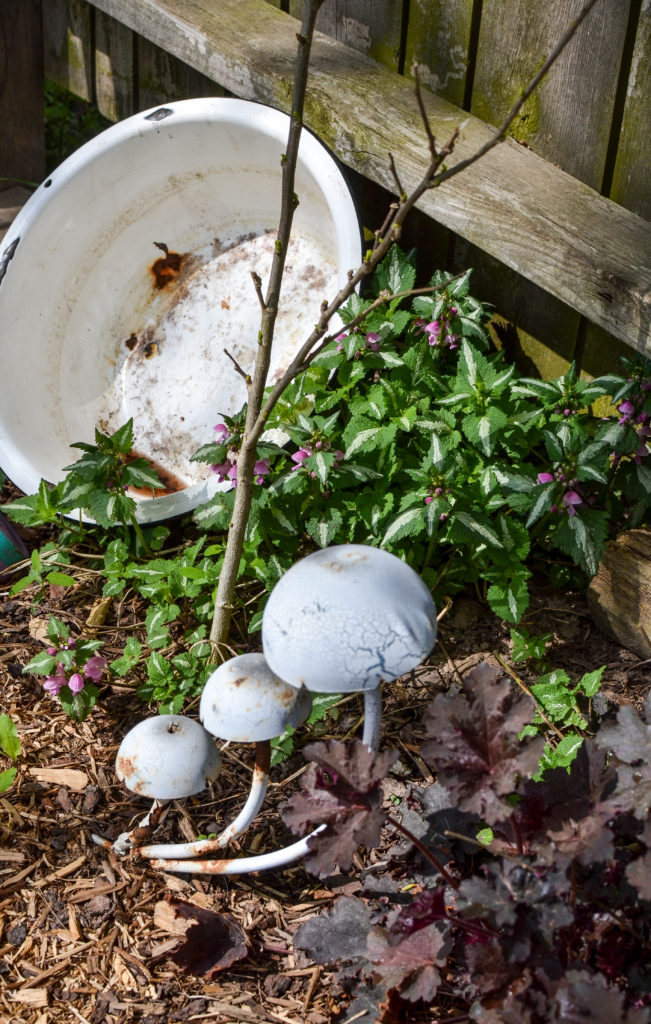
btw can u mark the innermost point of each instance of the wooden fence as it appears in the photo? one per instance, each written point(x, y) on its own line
point(560, 245)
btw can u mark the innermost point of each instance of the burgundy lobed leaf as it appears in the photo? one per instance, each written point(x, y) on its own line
point(581, 997)
point(628, 743)
point(341, 791)
point(337, 934)
point(211, 944)
point(587, 840)
point(638, 871)
point(474, 742)
point(411, 964)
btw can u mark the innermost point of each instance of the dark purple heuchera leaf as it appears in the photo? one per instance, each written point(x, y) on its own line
point(210, 945)
point(425, 908)
point(563, 796)
point(409, 963)
point(638, 872)
point(338, 934)
point(629, 744)
point(474, 745)
point(518, 900)
point(582, 997)
point(342, 791)
point(587, 841)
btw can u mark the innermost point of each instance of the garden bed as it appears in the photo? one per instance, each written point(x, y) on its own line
point(86, 936)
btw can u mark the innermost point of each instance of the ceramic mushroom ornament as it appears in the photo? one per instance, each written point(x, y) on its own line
point(164, 758)
point(345, 619)
point(245, 702)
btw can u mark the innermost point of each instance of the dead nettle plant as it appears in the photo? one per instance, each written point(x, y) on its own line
point(260, 403)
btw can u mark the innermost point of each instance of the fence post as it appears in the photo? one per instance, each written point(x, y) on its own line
point(22, 154)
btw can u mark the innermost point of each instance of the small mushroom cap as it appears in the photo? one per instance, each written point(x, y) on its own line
point(346, 617)
point(245, 701)
point(167, 758)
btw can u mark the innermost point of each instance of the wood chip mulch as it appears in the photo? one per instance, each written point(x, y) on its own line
point(84, 935)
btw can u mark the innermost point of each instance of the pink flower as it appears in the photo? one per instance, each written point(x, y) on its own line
point(232, 473)
point(339, 339)
point(299, 458)
point(54, 683)
point(627, 409)
point(545, 478)
point(338, 457)
point(222, 431)
point(261, 469)
point(94, 668)
point(222, 469)
point(429, 499)
point(51, 650)
point(373, 340)
point(76, 683)
point(570, 499)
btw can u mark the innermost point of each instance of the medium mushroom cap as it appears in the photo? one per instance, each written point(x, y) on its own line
point(167, 758)
point(346, 617)
point(245, 701)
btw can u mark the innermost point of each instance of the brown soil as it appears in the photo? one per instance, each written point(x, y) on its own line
point(84, 935)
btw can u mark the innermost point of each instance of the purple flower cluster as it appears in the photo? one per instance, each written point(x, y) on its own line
point(92, 669)
point(301, 454)
point(371, 340)
point(640, 422)
point(439, 332)
point(571, 497)
point(227, 470)
point(437, 492)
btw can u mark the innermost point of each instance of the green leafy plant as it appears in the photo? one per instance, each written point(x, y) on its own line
point(10, 747)
point(98, 483)
point(407, 432)
point(71, 668)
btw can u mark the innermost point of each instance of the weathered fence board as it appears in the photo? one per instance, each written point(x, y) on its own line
point(162, 77)
point(554, 230)
point(439, 41)
point(69, 57)
point(567, 120)
point(367, 26)
point(632, 178)
point(114, 68)
point(21, 90)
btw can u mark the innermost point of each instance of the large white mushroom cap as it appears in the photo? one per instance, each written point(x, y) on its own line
point(167, 758)
point(246, 702)
point(346, 617)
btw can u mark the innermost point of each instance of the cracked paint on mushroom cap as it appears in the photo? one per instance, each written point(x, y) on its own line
point(347, 617)
point(167, 758)
point(246, 702)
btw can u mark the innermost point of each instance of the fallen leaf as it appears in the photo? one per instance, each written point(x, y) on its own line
point(211, 942)
point(38, 630)
point(72, 778)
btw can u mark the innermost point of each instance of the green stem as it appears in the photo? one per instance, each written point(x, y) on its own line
point(140, 535)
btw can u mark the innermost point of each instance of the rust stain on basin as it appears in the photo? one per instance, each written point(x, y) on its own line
point(170, 483)
point(166, 268)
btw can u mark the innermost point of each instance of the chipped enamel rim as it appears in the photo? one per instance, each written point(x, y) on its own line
point(75, 275)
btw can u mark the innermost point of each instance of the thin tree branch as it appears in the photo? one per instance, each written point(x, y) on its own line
point(237, 366)
point(258, 409)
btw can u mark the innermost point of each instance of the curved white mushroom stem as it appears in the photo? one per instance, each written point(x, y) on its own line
point(372, 718)
point(126, 841)
point(242, 865)
point(178, 857)
point(203, 847)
